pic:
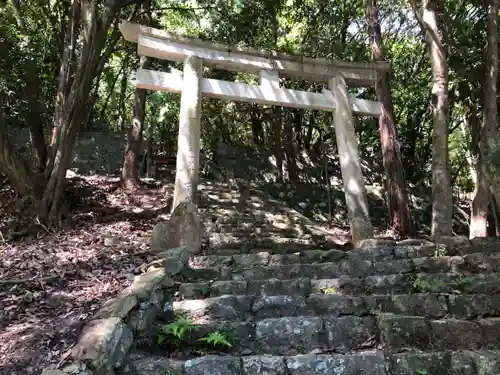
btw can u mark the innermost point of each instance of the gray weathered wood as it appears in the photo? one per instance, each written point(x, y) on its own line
point(188, 144)
point(163, 45)
point(350, 165)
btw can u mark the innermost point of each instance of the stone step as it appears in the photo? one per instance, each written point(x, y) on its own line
point(419, 258)
point(282, 250)
point(253, 308)
point(264, 229)
point(265, 258)
point(361, 363)
point(371, 285)
point(423, 259)
point(291, 266)
point(231, 240)
point(344, 334)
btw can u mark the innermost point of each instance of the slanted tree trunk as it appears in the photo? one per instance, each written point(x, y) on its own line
point(398, 203)
point(90, 24)
point(442, 195)
point(85, 38)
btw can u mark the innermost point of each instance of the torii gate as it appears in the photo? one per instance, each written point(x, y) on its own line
point(196, 53)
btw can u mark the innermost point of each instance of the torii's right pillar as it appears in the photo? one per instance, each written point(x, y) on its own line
point(350, 164)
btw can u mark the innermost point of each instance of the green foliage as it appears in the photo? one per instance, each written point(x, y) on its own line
point(421, 372)
point(455, 285)
point(178, 332)
point(217, 339)
point(175, 333)
point(314, 28)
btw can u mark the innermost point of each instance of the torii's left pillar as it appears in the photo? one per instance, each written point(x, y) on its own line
point(188, 142)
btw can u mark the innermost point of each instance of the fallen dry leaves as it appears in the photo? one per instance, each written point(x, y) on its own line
point(51, 284)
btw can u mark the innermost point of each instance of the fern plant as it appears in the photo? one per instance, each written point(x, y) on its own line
point(217, 339)
point(176, 332)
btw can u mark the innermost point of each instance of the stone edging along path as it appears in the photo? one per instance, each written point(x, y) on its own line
point(106, 340)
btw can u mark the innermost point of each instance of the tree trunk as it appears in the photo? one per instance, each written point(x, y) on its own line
point(130, 170)
point(489, 140)
point(289, 147)
point(37, 138)
point(14, 167)
point(442, 195)
point(398, 204)
point(478, 226)
point(90, 24)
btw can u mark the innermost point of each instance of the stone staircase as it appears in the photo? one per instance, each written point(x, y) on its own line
point(247, 216)
point(412, 309)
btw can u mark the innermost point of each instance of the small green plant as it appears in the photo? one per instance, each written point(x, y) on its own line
point(329, 290)
point(429, 286)
point(217, 339)
point(440, 286)
point(421, 372)
point(175, 333)
point(441, 251)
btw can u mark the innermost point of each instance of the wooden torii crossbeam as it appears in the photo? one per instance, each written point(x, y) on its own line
point(270, 66)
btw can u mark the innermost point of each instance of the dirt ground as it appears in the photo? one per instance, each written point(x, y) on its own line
point(52, 283)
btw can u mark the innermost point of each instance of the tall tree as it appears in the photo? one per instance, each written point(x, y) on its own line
point(398, 204)
point(442, 195)
point(130, 170)
point(489, 139)
point(86, 24)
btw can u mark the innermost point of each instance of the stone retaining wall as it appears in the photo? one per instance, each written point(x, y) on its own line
point(99, 152)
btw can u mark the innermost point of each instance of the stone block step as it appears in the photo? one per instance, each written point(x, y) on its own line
point(220, 240)
point(264, 230)
point(266, 258)
point(285, 249)
point(261, 266)
point(313, 334)
point(362, 363)
point(371, 285)
point(253, 308)
point(425, 258)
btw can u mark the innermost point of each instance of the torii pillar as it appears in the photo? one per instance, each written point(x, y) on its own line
point(350, 164)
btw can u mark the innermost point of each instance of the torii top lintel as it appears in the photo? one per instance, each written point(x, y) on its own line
point(166, 46)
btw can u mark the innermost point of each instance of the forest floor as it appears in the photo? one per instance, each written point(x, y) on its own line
point(52, 283)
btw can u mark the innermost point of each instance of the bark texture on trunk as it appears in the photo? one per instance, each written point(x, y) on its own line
point(397, 197)
point(37, 138)
point(130, 170)
point(478, 226)
point(489, 140)
point(442, 195)
point(89, 26)
point(289, 148)
point(15, 168)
